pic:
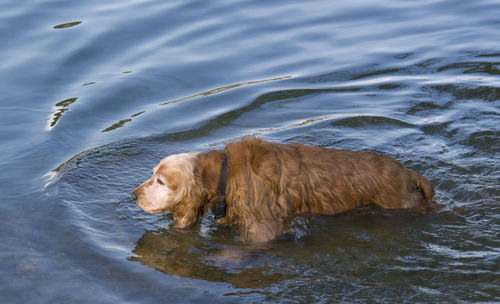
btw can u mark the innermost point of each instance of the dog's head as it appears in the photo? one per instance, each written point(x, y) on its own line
point(181, 184)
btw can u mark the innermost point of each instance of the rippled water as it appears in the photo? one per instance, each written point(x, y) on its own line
point(94, 93)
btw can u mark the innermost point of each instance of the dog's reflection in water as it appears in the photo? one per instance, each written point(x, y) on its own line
point(191, 256)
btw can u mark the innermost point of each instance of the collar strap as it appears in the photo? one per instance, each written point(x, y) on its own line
point(220, 204)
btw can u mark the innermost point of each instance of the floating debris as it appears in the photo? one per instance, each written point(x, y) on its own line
point(66, 25)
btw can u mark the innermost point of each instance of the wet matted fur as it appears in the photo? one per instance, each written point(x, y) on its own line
point(269, 183)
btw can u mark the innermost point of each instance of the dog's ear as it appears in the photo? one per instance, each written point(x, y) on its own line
point(203, 193)
point(189, 210)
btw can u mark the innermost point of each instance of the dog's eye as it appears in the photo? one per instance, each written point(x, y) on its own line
point(160, 182)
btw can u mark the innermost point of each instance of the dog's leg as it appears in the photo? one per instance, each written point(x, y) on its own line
point(260, 232)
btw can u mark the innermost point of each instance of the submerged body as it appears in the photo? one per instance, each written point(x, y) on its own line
point(269, 183)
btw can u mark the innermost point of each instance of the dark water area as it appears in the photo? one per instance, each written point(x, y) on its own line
point(95, 93)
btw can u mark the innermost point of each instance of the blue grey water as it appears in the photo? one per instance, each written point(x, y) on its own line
point(94, 93)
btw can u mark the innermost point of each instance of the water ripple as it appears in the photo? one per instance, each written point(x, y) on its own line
point(102, 91)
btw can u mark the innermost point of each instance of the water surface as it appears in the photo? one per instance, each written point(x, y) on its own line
point(95, 93)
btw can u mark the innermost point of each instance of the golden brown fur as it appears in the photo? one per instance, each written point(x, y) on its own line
point(269, 183)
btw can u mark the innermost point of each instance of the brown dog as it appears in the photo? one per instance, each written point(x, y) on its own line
point(265, 184)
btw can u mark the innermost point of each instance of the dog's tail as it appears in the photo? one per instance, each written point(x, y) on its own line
point(427, 202)
point(425, 185)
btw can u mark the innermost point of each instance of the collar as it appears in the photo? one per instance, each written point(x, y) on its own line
point(220, 204)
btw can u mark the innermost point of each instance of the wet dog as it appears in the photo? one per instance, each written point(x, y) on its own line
point(260, 185)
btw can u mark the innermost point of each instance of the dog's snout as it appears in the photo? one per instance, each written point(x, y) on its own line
point(134, 195)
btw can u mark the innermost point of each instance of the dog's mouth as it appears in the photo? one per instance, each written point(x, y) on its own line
point(154, 211)
point(145, 207)
point(150, 209)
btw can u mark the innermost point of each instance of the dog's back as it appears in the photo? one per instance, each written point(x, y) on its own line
point(326, 181)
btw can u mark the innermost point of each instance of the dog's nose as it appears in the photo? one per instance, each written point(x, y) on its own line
point(134, 195)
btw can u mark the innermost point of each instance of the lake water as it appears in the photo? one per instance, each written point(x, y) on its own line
point(95, 93)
